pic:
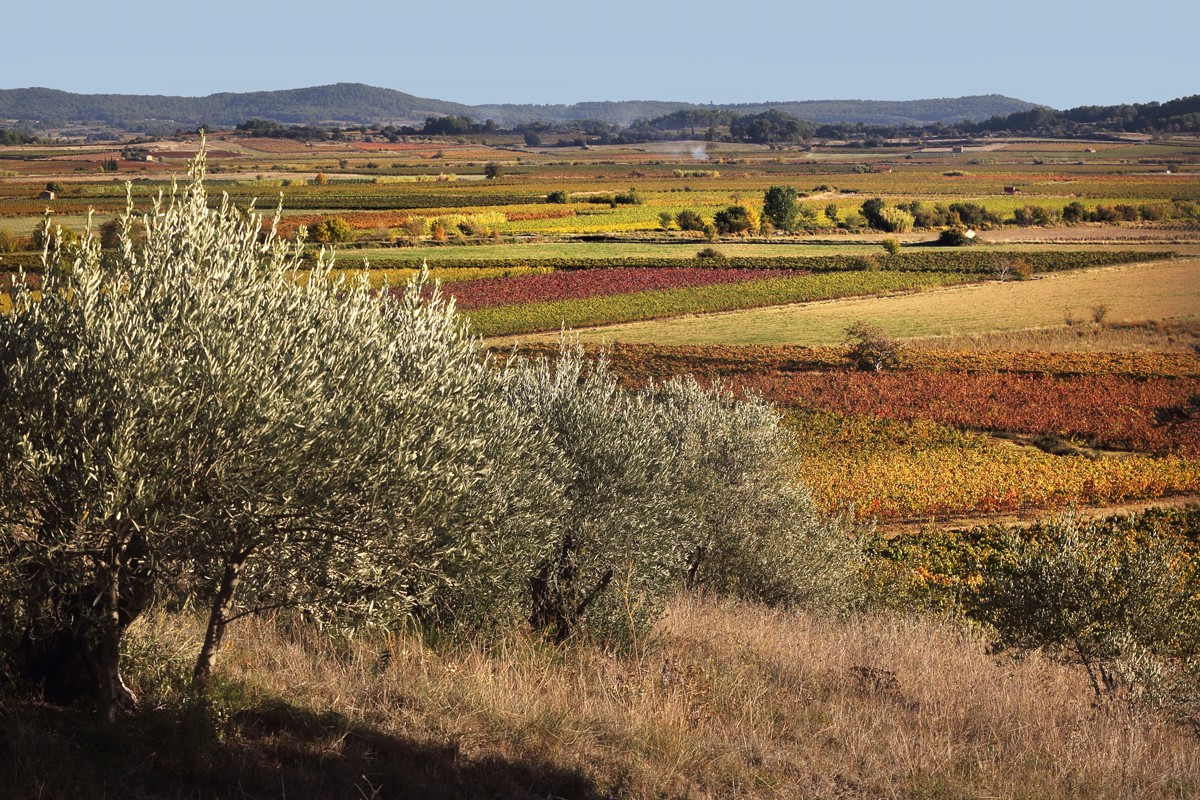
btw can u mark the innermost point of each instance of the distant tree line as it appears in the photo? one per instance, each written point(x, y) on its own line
point(1176, 116)
point(768, 127)
point(12, 136)
point(273, 130)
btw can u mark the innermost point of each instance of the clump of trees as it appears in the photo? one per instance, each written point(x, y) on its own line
point(12, 136)
point(270, 129)
point(736, 220)
point(194, 419)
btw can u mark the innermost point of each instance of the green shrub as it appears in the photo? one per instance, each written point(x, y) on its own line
point(1121, 601)
point(955, 236)
point(735, 220)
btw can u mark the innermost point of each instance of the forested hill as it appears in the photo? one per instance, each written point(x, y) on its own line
point(357, 103)
point(340, 102)
point(947, 111)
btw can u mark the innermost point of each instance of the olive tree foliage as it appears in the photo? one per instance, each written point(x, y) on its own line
point(611, 538)
point(1121, 601)
point(191, 412)
point(757, 533)
point(675, 485)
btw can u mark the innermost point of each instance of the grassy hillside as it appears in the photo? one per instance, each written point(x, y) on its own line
point(729, 700)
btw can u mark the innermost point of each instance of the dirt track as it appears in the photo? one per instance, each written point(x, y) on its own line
point(1033, 516)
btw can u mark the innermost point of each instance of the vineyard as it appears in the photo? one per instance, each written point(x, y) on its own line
point(1074, 241)
point(955, 433)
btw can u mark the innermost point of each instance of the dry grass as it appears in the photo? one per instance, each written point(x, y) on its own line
point(1153, 291)
point(1147, 337)
point(728, 701)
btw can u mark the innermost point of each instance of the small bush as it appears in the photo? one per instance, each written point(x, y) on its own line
point(711, 253)
point(956, 236)
point(871, 348)
point(557, 196)
point(864, 263)
point(630, 198)
point(689, 220)
point(1119, 601)
point(892, 246)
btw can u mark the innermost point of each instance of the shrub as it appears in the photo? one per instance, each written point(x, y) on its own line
point(852, 221)
point(871, 348)
point(735, 220)
point(710, 253)
point(10, 243)
point(894, 220)
point(1123, 604)
point(689, 220)
point(557, 196)
point(332, 231)
point(955, 236)
point(864, 263)
point(1074, 212)
point(630, 198)
point(892, 246)
point(757, 533)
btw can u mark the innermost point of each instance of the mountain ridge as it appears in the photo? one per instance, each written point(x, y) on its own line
point(357, 103)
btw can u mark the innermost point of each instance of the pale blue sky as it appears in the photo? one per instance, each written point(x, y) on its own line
point(1059, 52)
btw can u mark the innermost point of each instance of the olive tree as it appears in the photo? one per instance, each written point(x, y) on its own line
point(610, 541)
point(757, 533)
point(198, 411)
point(1120, 599)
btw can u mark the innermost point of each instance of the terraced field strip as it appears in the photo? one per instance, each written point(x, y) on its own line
point(1134, 292)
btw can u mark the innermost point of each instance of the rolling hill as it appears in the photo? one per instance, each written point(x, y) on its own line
point(357, 103)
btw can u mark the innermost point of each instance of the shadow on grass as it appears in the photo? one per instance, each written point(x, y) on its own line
point(270, 750)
